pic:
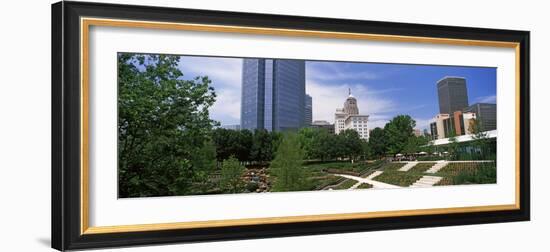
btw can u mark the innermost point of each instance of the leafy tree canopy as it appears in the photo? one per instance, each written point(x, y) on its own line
point(286, 168)
point(163, 122)
point(397, 133)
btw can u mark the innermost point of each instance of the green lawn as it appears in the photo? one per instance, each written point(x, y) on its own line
point(393, 166)
point(397, 178)
point(393, 176)
point(340, 166)
point(467, 173)
point(321, 180)
point(345, 185)
point(421, 167)
point(364, 186)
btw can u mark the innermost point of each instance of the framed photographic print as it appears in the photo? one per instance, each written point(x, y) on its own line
point(180, 125)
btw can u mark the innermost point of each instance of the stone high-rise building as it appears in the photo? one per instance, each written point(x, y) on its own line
point(348, 118)
point(452, 94)
point(486, 113)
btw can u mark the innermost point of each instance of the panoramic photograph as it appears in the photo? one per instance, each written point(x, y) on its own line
point(204, 125)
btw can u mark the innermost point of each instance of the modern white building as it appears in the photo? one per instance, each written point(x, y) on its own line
point(349, 118)
point(445, 125)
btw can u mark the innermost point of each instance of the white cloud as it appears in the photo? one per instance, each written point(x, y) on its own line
point(377, 124)
point(422, 123)
point(487, 99)
point(227, 108)
point(222, 71)
point(326, 83)
point(380, 121)
point(225, 74)
point(327, 98)
point(322, 71)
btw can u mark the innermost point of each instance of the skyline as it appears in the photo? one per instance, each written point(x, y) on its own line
point(382, 90)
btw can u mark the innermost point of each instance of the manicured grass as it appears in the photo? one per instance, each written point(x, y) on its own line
point(345, 185)
point(367, 174)
point(467, 173)
point(393, 166)
point(397, 178)
point(364, 186)
point(342, 166)
point(322, 180)
point(393, 176)
point(421, 167)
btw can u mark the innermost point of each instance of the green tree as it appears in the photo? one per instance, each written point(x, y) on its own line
point(262, 146)
point(415, 144)
point(397, 133)
point(351, 144)
point(366, 151)
point(411, 146)
point(231, 175)
point(377, 142)
point(242, 145)
point(232, 143)
point(163, 121)
point(223, 139)
point(453, 146)
point(205, 157)
point(286, 168)
point(481, 141)
point(307, 137)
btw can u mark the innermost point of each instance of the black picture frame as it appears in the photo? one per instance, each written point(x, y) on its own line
point(66, 156)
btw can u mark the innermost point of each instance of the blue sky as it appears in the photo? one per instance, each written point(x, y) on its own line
point(382, 90)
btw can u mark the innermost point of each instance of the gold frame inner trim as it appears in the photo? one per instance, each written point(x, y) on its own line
point(85, 24)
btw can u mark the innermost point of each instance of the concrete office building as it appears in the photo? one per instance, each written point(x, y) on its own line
point(456, 117)
point(437, 126)
point(457, 124)
point(273, 94)
point(348, 118)
point(323, 125)
point(486, 113)
point(308, 110)
point(231, 126)
point(452, 94)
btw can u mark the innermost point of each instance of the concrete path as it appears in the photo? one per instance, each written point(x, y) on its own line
point(426, 181)
point(408, 166)
point(437, 166)
point(368, 180)
point(371, 176)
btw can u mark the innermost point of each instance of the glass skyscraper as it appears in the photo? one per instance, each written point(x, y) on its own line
point(273, 94)
point(308, 110)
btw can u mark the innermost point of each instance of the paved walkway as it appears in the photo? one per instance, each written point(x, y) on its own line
point(368, 180)
point(426, 181)
point(408, 166)
point(437, 166)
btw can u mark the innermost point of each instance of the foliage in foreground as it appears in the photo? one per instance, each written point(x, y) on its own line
point(163, 127)
point(231, 175)
point(286, 168)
